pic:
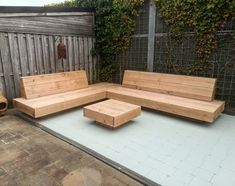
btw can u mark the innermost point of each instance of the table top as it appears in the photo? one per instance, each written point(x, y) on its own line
point(112, 107)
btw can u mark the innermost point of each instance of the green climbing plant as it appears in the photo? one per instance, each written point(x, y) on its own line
point(114, 25)
point(203, 17)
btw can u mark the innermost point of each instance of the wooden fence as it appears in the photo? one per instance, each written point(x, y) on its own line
point(28, 52)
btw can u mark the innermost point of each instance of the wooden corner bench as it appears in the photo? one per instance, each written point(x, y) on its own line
point(191, 97)
point(43, 95)
point(187, 96)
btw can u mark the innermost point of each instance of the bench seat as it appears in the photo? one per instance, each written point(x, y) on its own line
point(42, 106)
point(191, 108)
point(188, 96)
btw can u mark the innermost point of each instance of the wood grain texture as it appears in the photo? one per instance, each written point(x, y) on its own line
point(191, 108)
point(46, 105)
point(48, 84)
point(68, 25)
point(112, 113)
point(184, 86)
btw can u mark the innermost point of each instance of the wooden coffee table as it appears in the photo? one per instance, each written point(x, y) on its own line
point(112, 113)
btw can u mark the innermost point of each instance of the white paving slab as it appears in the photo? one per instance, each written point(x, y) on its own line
point(165, 149)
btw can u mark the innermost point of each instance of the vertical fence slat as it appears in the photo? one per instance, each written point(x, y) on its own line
point(22, 54)
point(90, 61)
point(45, 54)
point(5, 64)
point(29, 49)
point(70, 54)
point(95, 65)
point(75, 52)
point(65, 61)
point(51, 53)
point(38, 55)
point(58, 62)
point(85, 48)
point(14, 62)
point(81, 54)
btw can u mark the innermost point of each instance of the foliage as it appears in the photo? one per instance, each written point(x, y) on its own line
point(203, 17)
point(114, 25)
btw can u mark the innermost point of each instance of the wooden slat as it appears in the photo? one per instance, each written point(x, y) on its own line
point(5, 63)
point(65, 61)
point(22, 54)
point(76, 53)
point(46, 105)
point(29, 49)
point(70, 54)
point(45, 55)
point(14, 59)
point(42, 85)
point(38, 54)
point(191, 108)
point(81, 53)
point(86, 60)
point(58, 62)
point(82, 25)
point(51, 54)
point(126, 117)
point(179, 85)
point(95, 65)
point(90, 61)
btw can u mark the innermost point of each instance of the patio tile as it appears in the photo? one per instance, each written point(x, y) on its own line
point(223, 177)
point(199, 182)
point(167, 150)
point(203, 174)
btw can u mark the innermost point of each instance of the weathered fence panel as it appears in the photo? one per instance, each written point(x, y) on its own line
point(77, 23)
point(28, 46)
point(27, 54)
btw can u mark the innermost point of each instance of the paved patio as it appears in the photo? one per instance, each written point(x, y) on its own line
point(165, 149)
point(32, 157)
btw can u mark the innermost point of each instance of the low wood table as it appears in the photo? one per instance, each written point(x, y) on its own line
point(112, 113)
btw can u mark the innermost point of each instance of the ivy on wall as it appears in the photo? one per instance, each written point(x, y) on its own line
point(114, 25)
point(203, 17)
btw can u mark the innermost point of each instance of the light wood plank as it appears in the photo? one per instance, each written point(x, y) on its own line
point(179, 85)
point(112, 113)
point(191, 108)
point(50, 104)
point(42, 85)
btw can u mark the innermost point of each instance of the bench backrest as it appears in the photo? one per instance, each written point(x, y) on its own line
point(48, 84)
point(179, 85)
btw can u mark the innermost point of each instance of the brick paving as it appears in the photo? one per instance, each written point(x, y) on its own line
point(30, 156)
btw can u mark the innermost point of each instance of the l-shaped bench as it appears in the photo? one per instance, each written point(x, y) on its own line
point(187, 96)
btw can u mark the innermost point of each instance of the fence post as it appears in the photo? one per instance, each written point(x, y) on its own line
point(151, 35)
